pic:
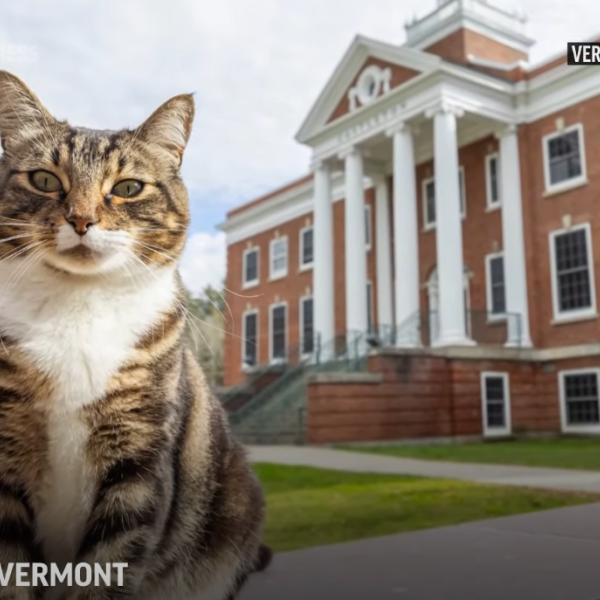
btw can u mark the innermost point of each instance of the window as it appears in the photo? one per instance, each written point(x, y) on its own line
point(564, 158)
point(250, 339)
point(370, 319)
point(429, 203)
point(307, 326)
point(492, 175)
point(429, 216)
point(278, 332)
point(578, 391)
point(572, 274)
point(368, 225)
point(496, 292)
point(306, 248)
point(279, 257)
point(495, 398)
point(250, 273)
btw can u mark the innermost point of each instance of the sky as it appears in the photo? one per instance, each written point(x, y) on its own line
point(256, 67)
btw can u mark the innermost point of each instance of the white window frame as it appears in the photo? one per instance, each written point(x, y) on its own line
point(565, 427)
point(272, 307)
point(245, 314)
point(488, 286)
point(306, 266)
point(492, 204)
point(573, 315)
point(496, 431)
point(463, 200)
point(569, 183)
point(369, 226)
point(254, 282)
point(303, 299)
point(274, 275)
point(427, 226)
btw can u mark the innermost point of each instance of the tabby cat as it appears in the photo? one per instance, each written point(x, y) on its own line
point(112, 448)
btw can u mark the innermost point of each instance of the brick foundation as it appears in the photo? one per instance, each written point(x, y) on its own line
point(419, 395)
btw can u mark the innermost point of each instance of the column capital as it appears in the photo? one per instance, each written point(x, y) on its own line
point(446, 107)
point(507, 130)
point(316, 164)
point(401, 127)
point(348, 151)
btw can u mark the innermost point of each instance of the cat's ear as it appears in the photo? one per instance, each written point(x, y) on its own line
point(22, 115)
point(170, 125)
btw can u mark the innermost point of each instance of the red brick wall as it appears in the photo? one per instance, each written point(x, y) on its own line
point(423, 396)
point(289, 289)
point(458, 45)
point(400, 75)
point(543, 214)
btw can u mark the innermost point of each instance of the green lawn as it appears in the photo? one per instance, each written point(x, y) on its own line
point(565, 453)
point(312, 507)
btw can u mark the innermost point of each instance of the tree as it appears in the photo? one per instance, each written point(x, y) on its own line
point(206, 332)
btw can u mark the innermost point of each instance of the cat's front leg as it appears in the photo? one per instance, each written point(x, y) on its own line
point(17, 542)
point(122, 529)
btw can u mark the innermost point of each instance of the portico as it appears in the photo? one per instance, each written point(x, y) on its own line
point(393, 151)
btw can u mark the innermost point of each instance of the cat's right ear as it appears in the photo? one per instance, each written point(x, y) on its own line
point(22, 115)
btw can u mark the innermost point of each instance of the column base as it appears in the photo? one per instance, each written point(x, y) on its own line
point(453, 341)
point(516, 344)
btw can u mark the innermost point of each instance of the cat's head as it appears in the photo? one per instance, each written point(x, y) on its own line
point(89, 202)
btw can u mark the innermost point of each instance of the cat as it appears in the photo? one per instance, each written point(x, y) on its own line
point(112, 448)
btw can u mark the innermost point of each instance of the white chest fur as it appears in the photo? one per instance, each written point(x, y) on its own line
point(79, 335)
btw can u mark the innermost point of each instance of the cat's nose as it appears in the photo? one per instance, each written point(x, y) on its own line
point(81, 225)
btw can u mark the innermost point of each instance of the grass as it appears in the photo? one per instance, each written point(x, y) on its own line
point(313, 507)
point(564, 453)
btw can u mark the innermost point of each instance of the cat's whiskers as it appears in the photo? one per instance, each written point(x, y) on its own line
point(29, 262)
point(19, 251)
point(241, 295)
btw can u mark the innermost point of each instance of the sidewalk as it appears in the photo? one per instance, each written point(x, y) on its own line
point(552, 555)
point(339, 460)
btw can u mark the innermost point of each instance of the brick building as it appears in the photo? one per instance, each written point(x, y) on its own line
point(451, 214)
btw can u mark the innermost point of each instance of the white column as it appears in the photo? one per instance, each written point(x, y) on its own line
point(452, 323)
point(355, 247)
point(406, 239)
point(323, 283)
point(513, 240)
point(384, 253)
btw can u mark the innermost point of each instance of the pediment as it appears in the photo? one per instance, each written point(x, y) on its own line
point(369, 70)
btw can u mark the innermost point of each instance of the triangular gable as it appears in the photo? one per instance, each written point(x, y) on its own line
point(394, 75)
point(404, 64)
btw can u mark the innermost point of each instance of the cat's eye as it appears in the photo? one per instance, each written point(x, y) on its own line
point(128, 188)
point(44, 181)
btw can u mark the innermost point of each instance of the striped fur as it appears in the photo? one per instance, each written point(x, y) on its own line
point(112, 448)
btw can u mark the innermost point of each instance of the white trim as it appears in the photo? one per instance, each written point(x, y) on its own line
point(496, 431)
point(272, 307)
point(245, 314)
point(498, 66)
point(274, 275)
point(303, 299)
point(566, 316)
point(569, 183)
point(492, 317)
point(427, 226)
point(254, 282)
point(565, 427)
point(307, 266)
point(369, 226)
point(490, 203)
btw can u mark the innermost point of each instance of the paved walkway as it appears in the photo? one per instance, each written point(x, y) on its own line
point(552, 555)
point(326, 458)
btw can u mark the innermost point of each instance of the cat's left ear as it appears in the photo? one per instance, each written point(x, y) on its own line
point(170, 125)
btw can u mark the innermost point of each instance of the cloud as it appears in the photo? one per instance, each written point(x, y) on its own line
point(256, 68)
point(203, 261)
